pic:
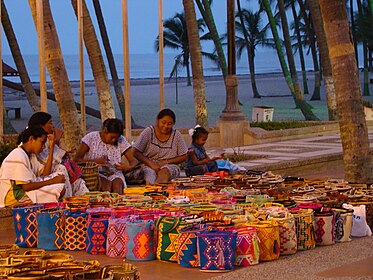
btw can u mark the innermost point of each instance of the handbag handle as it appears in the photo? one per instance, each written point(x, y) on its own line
point(176, 223)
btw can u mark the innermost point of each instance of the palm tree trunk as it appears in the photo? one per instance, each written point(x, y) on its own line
point(250, 53)
point(324, 58)
point(110, 57)
point(300, 48)
point(32, 99)
point(60, 81)
point(315, 59)
point(365, 56)
point(354, 133)
point(97, 64)
point(196, 61)
point(206, 13)
point(300, 103)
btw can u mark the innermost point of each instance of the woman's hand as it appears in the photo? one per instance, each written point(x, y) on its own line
point(123, 167)
point(58, 134)
point(155, 166)
point(101, 160)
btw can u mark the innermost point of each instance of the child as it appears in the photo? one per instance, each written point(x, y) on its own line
point(23, 179)
point(198, 162)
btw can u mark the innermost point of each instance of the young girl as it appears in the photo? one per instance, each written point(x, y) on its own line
point(198, 162)
point(23, 179)
point(73, 184)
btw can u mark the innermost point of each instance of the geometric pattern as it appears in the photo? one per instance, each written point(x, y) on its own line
point(324, 228)
point(140, 245)
point(269, 236)
point(304, 223)
point(75, 230)
point(216, 250)
point(117, 238)
point(51, 230)
point(96, 234)
point(167, 239)
point(25, 225)
point(288, 235)
point(187, 249)
point(247, 250)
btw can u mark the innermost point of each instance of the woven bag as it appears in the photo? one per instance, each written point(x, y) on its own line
point(167, 235)
point(75, 230)
point(140, 244)
point(324, 227)
point(187, 245)
point(25, 225)
point(269, 237)
point(304, 222)
point(116, 237)
point(97, 225)
point(247, 248)
point(90, 175)
point(342, 224)
point(216, 250)
point(288, 234)
point(51, 229)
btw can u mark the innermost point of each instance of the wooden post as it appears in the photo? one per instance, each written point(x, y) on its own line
point(1, 80)
point(42, 74)
point(81, 67)
point(126, 64)
point(161, 56)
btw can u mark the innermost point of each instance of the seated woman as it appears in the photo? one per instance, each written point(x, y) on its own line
point(23, 179)
point(106, 148)
point(160, 149)
point(74, 184)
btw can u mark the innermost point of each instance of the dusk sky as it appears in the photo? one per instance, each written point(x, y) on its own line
point(143, 23)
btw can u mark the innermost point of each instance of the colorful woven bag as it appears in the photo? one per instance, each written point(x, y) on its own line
point(342, 224)
point(269, 237)
point(247, 248)
point(75, 229)
point(187, 246)
point(288, 234)
point(140, 242)
point(51, 229)
point(117, 237)
point(168, 232)
point(305, 228)
point(324, 226)
point(216, 250)
point(25, 225)
point(97, 225)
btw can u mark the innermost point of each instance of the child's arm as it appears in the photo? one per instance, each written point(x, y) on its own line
point(48, 165)
point(194, 159)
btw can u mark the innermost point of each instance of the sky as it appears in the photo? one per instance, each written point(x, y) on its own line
point(142, 19)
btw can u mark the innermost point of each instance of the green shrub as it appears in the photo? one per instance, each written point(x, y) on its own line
point(282, 125)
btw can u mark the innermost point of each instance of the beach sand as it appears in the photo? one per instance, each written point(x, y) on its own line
point(145, 100)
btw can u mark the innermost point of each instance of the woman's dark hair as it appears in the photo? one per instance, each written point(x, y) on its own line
point(39, 119)
point(34, 131)
point(198, 131)
point(113, 126)
point(167, 112)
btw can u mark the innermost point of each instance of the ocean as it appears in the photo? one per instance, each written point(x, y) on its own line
point(147, 65)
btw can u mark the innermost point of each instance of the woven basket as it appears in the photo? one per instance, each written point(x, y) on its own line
point(90, 175)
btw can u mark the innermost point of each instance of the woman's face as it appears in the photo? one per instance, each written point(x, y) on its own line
point(165, 124)
point(48, 127)
point(37, 144)
point(110, 137)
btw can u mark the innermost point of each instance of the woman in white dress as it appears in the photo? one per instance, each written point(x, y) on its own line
point(23, 179)
point(106, 148)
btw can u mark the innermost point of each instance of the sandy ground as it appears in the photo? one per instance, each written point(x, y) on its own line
point(179, 97)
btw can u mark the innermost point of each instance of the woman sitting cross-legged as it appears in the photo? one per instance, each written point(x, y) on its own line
point(23, 179)
point(106, 148)
point(160, 149)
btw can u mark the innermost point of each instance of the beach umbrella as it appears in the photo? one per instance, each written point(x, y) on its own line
point(81, 66)
point(161, 67)
point(42, 72)
point(126, 64)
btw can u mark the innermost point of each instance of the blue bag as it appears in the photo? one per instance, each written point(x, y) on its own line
point(51, 229)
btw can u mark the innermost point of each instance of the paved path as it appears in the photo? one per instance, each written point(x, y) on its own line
point(290, 153)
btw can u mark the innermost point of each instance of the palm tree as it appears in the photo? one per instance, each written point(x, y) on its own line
point(110, 57)
point(294, 88)
point(97, 64)
point(60, 81)
point(18, 60)
point(249, 26)
point(197, 67)
point(324, 58)
point(175, 36)
point(354, 133)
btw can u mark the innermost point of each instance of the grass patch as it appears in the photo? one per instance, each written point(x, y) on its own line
point(282, 125)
